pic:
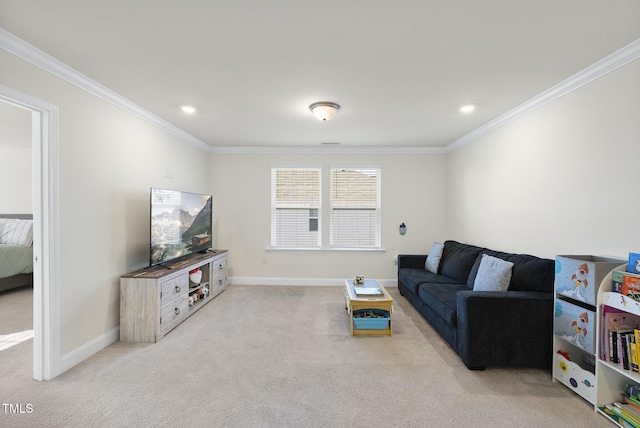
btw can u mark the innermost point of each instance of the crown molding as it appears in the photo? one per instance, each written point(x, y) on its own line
point(322, 150)
point(35, 56)
point(30, 53)
point(606, 65)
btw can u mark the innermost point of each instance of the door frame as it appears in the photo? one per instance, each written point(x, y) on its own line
point(46, 312)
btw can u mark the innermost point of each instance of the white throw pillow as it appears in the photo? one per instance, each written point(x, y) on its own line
point(494, 274)
point(17, 232)
point(433, 260)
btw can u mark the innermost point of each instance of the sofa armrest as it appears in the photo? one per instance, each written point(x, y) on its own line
point(506, 328)
point(414, 261)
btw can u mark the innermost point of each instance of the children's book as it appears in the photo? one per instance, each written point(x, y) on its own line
point(626, 411)
point(632, 403)
point(633, 350)
point(634, 263)
point(622, 350)
point(631, 285)
point(610, 323)
point(613, 321)
point(616, 281)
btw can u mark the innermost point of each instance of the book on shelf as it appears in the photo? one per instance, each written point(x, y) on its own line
point(619, 351)
point(368, 291)
point(636, 333)
point(625, 411)
point(606, 409)
point(612, 320)
point(617, 325)
point(616, 281)
point(633, 350)
point(633, 266)
point(632, 391)
point(632, 403)
point(625, 361)
point(631, 285)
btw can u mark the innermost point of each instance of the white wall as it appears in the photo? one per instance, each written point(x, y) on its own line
point(108, 160)
point(561, 180)
point(412, 192)
point(15, 160)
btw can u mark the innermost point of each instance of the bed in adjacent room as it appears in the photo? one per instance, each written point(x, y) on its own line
point(16, 251)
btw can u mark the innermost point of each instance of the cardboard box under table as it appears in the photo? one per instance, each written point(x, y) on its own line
point(355, 303)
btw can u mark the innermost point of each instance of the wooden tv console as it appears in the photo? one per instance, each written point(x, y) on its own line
point(155, 300)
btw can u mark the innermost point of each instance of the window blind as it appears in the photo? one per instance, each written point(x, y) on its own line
point(355, 207)
point(295, 207)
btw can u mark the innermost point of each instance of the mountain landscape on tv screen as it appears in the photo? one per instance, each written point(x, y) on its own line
point(177, 233)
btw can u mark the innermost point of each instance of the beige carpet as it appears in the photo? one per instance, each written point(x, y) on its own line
point(260, 356)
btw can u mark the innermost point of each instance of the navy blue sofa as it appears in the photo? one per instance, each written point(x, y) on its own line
point(510, 328)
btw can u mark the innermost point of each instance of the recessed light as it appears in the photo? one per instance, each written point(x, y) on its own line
point(467, 108)
point(188, 109)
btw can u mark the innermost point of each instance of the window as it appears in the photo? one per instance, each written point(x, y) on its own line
point(350, 217)
point(295, 207)
point(355, 208)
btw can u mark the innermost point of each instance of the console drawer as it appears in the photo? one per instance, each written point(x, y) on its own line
point(174, 287)
point(173, 312)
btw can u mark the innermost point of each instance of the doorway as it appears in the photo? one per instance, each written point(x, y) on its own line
point(46, 340)
point(16, 208)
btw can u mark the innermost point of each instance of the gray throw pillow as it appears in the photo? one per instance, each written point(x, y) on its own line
point(494, 274)
point(433, 260)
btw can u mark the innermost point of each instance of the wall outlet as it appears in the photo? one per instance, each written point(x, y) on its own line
point(264, 260)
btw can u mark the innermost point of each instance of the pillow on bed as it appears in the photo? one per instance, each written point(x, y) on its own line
point(15, 231)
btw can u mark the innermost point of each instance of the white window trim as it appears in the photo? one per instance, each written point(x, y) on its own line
point(325, 212)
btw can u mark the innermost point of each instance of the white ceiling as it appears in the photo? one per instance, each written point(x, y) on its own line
point(399, 69)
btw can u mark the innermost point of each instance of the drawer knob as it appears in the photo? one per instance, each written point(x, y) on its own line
point(177, 311)
point(178, 289)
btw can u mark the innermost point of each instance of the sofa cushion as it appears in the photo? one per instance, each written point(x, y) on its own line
point(441, 298)
point(433, 259)
point(529, 273)
point(412, 278)
point(457, 260)
point(493, 274)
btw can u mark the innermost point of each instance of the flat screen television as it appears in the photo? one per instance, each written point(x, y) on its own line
point(181, 224)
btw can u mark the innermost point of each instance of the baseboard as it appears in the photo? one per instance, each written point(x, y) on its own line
point(80, 354)
point(300, 281)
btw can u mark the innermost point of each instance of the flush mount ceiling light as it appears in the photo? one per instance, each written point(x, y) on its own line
point(188, 109)
point(324, 110)
point(467, 108)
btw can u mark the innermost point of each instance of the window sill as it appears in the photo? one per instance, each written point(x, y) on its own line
point(327, 250)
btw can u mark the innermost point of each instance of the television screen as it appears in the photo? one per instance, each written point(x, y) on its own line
point(181, 224)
